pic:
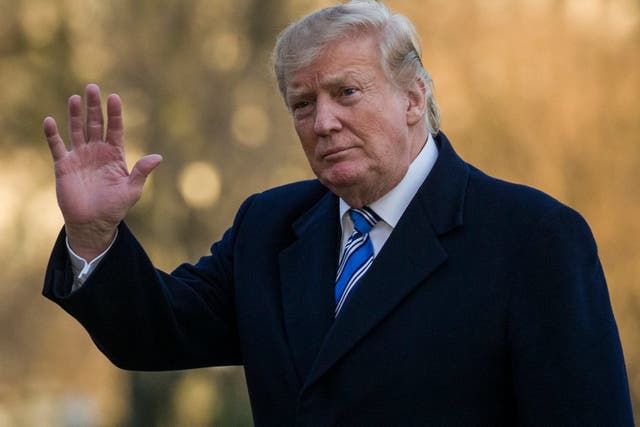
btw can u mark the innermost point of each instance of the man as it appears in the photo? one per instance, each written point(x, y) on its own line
point(403, 287)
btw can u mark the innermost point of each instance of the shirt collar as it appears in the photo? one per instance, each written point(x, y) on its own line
point(392, 205)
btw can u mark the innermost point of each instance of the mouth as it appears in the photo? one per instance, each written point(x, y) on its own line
point(335, 153)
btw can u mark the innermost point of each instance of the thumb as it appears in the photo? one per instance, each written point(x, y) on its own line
point(142, 169)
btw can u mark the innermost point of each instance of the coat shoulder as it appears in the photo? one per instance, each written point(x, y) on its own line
point(500, 197)
point(294, 198)
point(295, 192)
point(281, 206)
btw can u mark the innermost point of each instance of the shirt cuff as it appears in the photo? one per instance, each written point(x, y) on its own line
point(80, 267)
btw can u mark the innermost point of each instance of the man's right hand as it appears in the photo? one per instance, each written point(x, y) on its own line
point(93, 186)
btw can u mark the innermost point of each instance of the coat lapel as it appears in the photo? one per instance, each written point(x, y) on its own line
point(307, 273)
point(410, 255)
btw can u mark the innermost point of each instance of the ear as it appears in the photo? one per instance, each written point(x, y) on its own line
point(417, 101)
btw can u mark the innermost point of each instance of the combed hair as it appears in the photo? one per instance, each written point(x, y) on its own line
point(304, 41)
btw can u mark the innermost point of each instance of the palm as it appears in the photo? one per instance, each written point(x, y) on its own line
point(92, 184)
point(94, 188)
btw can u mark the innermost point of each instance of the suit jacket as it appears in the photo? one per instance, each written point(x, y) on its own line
point(486, 306)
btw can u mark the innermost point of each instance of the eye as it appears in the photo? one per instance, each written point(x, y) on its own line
point(299, 105)
point(348, 91)
point(301, 109)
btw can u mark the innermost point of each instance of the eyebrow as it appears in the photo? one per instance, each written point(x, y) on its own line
point(334, 80)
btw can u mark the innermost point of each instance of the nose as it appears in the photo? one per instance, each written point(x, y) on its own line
point(326, 118)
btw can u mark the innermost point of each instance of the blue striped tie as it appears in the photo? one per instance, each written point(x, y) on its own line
point(357, 256)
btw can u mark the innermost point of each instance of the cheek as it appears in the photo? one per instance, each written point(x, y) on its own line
point(392, 147)
point(307, 140)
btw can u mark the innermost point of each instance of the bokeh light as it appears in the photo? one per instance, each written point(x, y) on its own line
point(40, 20)
point(250, 125)
point(200, 184)
point(226, 51)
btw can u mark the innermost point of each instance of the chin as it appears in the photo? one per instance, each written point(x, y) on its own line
point(339, 181)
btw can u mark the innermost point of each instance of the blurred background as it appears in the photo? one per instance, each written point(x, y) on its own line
point(541, 92)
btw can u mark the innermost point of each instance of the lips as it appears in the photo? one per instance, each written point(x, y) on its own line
point(335, 153)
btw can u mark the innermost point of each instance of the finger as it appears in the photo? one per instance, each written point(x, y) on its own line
point(141, 170)
point(95, 121)
point(56, 145)
point(115, 124)
point(76, 128)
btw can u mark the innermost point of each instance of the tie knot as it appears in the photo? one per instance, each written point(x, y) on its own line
point(363, 219)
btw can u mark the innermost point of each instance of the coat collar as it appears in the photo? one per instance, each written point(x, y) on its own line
point(443, 192)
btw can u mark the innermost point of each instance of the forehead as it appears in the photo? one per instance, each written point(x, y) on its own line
point(349, 59)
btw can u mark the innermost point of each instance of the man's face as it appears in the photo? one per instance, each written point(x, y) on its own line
point(352, 121)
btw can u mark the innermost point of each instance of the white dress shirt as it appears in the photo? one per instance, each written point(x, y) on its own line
point(80, 267)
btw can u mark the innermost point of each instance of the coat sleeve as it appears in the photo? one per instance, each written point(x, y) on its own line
point(144, 319)
point(567, 359)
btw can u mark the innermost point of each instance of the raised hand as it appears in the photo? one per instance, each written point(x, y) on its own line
point(93, 186)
